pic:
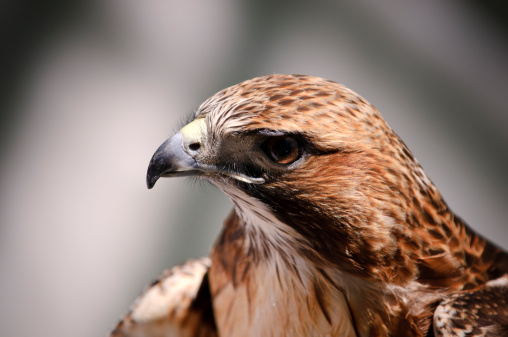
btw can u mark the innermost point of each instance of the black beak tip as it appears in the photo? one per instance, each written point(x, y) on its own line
point(154, 172)
point(150, 181)
point(158, 165)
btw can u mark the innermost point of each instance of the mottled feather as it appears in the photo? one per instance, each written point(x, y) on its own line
point(176, 304)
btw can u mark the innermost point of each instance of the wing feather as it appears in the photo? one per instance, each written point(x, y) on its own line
point(479, 312)
point(177, 304)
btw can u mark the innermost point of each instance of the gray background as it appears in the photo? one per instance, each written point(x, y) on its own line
point(90, 90)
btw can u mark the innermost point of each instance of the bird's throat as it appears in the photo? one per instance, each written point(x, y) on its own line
point(263, 290)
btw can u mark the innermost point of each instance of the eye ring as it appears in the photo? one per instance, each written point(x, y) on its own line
point(284, 149)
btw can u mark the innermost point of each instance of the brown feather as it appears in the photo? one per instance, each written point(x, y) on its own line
point(178, 303)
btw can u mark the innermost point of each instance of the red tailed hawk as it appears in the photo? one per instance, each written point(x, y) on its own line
point(336, 229)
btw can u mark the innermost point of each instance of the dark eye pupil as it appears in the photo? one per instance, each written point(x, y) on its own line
point(282, 149)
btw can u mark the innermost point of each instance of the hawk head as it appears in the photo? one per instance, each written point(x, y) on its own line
point(321, 160)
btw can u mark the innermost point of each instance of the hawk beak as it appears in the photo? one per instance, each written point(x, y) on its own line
point(176, 157)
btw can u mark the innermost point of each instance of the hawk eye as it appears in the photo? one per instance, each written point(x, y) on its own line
point(283, 149)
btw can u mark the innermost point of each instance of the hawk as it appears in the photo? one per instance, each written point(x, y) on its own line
point(336, 229)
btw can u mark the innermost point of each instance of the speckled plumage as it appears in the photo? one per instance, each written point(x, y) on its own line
point(349, 239)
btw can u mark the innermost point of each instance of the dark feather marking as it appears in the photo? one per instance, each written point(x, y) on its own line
point(266, 248)
point(203, 304)
point(278, 275)
point(295, 269)
point(285, 84)
point(303, 108)
point(233, 273)
point(353, 318)
point(317, 105)
point(285, 259)
point(252, 251)
point(154, 283)
point(118, 329)
point(322, 94)
point(247, 287)
point(446, 229)
point(437, 235)
point(276, 97)
point(428, 218)
point(246, 268)
point(319, 297)
point(329, 280)
point(309, 306)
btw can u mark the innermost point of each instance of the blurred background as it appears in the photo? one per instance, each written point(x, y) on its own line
point(90, 89)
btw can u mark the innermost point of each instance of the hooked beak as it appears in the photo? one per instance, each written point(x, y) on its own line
point(176, 157)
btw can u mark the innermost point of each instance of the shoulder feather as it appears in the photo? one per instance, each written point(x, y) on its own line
point(177, 304)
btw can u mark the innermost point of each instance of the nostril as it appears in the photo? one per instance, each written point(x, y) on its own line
point(194, 146)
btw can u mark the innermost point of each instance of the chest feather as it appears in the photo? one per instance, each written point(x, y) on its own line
point(273, 299)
